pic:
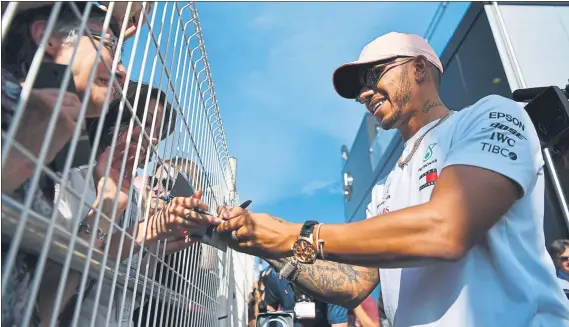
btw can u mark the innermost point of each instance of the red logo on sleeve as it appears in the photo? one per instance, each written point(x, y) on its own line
point(428, 178)
point(431, 177)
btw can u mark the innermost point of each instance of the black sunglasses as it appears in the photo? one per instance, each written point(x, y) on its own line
point(369, 77)
point(111, 41)
point(167, 183)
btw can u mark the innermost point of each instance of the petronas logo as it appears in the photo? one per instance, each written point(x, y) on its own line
point(429, 153)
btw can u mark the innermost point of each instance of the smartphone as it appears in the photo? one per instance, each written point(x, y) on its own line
point(81, 155)
point(50, 76)
point(183, 188)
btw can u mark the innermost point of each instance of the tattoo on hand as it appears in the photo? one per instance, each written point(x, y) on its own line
point(428, 105)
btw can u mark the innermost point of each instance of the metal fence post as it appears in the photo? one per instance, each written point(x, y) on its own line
point(170, 95)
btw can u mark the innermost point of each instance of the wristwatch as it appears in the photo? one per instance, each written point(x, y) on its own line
point(304, 251)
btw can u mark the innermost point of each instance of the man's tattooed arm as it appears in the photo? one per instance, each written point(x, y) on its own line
point(333, 282)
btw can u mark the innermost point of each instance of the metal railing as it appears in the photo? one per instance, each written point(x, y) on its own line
point(58, 268)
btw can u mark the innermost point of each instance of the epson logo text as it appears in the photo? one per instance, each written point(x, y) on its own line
point(509, 119)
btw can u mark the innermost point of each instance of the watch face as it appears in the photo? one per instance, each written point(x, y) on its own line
point(304, 251)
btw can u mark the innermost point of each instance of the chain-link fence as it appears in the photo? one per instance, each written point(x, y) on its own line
point(108, 109)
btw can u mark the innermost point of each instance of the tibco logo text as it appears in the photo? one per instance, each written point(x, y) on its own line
point(493, 148)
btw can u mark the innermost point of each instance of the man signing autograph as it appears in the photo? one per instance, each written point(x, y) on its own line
point(456, 230)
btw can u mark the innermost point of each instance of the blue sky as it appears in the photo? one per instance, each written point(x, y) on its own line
point(272, 65)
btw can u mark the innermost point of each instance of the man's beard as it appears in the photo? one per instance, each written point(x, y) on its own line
point(400, 99)
point(390, 122)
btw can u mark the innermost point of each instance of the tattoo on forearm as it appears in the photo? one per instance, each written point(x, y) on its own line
point(333, 282)
point(428, 105)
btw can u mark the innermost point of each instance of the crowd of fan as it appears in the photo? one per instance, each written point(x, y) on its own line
point(123, 141)
point(272, 294)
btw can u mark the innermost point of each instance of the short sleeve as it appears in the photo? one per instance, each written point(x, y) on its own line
point(336, 314)
point(376, 193)
point(498, 135)
point(137, 215)
point(72, 207)
point(70, 203)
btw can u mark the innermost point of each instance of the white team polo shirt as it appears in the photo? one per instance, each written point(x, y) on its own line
point(508, 280)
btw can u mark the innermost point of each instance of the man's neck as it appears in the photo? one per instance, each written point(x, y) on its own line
point(430, 110)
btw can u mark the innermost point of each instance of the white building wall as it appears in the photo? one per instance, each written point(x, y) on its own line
point(539, 36)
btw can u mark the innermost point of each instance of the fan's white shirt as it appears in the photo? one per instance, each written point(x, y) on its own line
point(71, 212)
point(508, 280)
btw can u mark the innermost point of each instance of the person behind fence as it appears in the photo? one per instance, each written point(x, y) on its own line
point(19, 47)
point(72, 208)
point(462, 206)
point(158, 185)
point(381, 309)
point(252, 310)
point(119, 12)
point(256, 301)
point(202, 260)
point(366, 314)
point(559, 252)
point(170, 220)
point(280, 295)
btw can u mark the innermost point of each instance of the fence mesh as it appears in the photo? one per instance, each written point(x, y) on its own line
point(97, 122)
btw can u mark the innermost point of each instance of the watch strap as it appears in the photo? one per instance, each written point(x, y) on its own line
point(308, 228)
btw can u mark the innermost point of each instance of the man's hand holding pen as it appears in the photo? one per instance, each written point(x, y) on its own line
point(181, 217)
point(257, 234)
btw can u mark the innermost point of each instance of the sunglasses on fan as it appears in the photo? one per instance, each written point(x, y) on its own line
point(163, 183)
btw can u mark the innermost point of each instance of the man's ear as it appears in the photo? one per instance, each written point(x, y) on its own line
point(37, 30)
point(421, 68)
